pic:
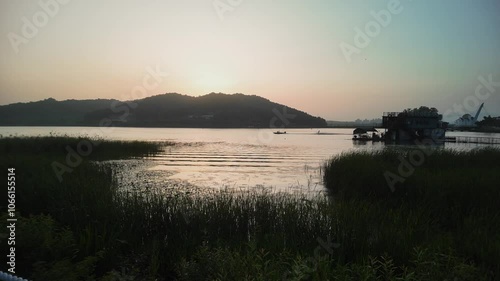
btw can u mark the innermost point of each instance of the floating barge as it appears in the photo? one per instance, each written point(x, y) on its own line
point(413, 126)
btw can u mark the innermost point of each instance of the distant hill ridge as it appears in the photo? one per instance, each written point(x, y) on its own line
point(215, 110)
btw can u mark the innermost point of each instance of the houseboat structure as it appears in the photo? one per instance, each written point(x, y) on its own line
point(413, 126)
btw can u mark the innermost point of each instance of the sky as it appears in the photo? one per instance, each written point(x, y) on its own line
point(340, 60)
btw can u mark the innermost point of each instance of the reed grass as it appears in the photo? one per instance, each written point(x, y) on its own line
point(455, 192)
point(85, 228)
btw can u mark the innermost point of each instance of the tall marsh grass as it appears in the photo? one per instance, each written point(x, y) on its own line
point(456, 193)
point(84, 228)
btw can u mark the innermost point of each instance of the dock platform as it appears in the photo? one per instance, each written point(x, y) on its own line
point(477, 140)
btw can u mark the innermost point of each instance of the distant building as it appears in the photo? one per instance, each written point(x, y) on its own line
point(467, 121)
point(411, 126)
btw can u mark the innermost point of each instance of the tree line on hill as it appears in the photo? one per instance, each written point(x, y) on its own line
point(215, 110)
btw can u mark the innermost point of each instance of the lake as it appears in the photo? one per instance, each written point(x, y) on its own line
point(235, 158)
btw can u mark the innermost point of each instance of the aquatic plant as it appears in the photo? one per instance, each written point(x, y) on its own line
point(434, 226)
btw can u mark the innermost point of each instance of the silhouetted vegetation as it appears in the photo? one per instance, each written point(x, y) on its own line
point(85, 228)
point(168, 110)
point(450, 200)
point(50, 112)
point(373, 123)
point(423, 110)
point(488, 121)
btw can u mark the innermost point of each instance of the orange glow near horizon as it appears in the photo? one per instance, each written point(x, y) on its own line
point(285, 51)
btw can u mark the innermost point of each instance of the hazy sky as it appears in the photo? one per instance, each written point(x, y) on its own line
point(289, 51)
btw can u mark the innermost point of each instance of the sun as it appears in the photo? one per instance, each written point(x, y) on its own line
point(213, 82)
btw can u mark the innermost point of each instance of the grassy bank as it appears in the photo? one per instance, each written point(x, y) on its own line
point(455, 194)
point(84, 229)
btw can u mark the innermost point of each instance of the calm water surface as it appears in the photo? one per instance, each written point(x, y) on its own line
point(238, 158)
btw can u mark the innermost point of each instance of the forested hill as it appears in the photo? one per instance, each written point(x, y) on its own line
point(167, 110)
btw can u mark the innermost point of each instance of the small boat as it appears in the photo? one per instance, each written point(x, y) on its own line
point(361, 134)
point(361, 138)
point(279, 132)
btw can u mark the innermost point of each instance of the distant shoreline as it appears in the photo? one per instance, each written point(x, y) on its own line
point(168, 127)
point(475, 130)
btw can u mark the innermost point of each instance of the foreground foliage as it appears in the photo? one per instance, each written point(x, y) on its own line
point(84, 228)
